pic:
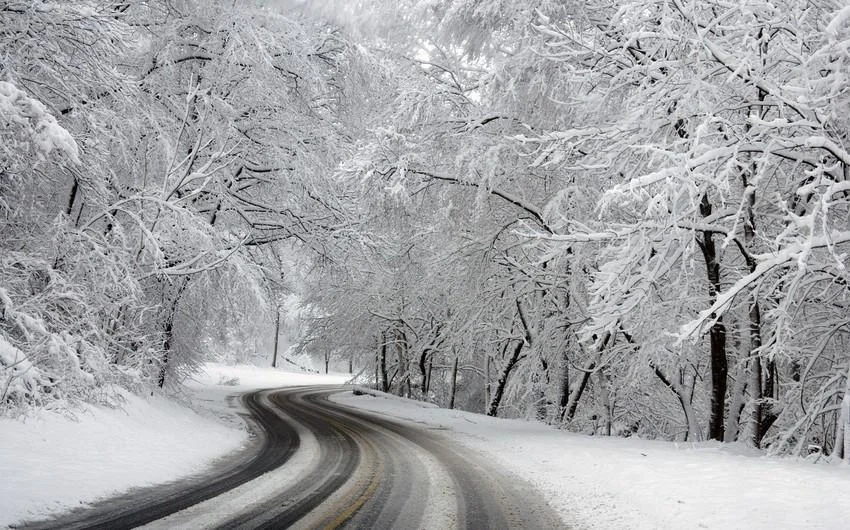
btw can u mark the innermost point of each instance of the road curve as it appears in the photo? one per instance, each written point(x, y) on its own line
point(273, 443)
point(319, 464)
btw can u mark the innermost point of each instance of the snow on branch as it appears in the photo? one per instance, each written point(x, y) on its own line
point(41, 129)
point(766, 263)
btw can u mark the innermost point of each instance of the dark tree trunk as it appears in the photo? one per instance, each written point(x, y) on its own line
point(513, 359)
point(166, 346)
point(574, 398)
point(717, 333)
point(276, 338)
point(377, 363)
point(564, 391)
point(543, 403)
point(430, 374)
point(72, 197)
point(493, 407)
point(604, 383)
point(719, 372)
point(423, 372)
point(385, 384)
point(762, 379)
point(765, 413)
point(488, 391)
point(763, 376)
point(161, 378)
point(168, 331)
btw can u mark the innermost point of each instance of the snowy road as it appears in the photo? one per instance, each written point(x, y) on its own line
point(319, 464)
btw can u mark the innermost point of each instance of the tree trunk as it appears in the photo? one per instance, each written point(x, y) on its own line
point(694, 432)
point(168, 331)
point(377, 363)
point(72, 197)
point(385, 384)
point(166, 346)
point(763, 383)
point(543, 382)
point(501, 384)
point(488, 391)
point(842, 430)
point(719, 373)
point(430, 373)
point(736, 404)
point(575, 396)
point(454, 385)
point(764, 414)
point(401, 354)
point(423, 372)
point(607, 401)
point(564, 390)
point(276, 338)
point(493, 407)
point(717, 333)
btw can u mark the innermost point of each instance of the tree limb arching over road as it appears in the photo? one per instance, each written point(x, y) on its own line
point(319, 464)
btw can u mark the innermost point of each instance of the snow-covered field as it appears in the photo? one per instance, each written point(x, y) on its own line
point(50, 463)
point(629, 483)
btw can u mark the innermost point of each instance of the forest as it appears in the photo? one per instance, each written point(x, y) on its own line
point(619, 217)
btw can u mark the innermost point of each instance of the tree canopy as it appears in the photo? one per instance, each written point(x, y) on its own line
point(619, 217)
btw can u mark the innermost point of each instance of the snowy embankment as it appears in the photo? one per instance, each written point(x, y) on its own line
point(597, 482)
point(50, 463)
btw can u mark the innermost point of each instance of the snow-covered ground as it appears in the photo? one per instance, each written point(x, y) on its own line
point(629, 483)
point(50, 463)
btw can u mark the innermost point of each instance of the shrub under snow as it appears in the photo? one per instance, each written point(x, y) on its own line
point(60, 340)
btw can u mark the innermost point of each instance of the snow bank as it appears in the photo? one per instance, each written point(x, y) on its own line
point(630, 483)
point(50, 463)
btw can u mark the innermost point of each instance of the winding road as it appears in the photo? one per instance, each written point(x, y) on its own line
point(318, 464)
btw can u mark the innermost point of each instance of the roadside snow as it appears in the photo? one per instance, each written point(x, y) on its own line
point(50, 463)
point(245, 378)
point(596, 482)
